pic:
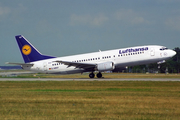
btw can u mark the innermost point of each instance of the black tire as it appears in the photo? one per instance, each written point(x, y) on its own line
point(99, 75)
point(91, 75)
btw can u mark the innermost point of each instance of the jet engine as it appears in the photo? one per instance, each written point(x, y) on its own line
point(106, 66)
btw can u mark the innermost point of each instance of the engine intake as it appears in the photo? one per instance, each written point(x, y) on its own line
point(106, 66)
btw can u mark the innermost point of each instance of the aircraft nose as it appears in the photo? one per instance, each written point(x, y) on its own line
point(173, 53)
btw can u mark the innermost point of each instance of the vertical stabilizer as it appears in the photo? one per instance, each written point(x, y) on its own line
point(28, 51)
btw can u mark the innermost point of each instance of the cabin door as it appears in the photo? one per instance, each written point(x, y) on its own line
point(45, 66)
point(152, 52)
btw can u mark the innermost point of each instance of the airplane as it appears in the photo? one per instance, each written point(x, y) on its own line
point(100, 61)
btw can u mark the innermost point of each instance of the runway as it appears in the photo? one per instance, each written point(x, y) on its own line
point(76, 79)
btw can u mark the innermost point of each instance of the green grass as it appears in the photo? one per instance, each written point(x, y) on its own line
point(127, 100)
point(98, 90)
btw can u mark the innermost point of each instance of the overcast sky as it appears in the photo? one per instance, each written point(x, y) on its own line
point(68, 27)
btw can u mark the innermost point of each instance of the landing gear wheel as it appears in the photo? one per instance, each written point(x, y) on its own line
point(91, 75)
point(99, 75)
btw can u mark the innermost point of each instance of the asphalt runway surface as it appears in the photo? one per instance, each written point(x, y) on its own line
point(76, 79)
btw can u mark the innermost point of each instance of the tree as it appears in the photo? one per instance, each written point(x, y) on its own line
point(176, 59)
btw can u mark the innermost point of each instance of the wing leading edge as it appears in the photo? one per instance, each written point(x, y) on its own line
point(86, 66)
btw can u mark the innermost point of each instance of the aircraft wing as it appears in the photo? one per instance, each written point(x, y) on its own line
point(85, 66)
point(22, 64)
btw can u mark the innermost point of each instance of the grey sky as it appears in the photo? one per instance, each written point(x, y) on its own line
point(67, 27)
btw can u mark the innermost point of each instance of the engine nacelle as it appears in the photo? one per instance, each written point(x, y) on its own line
point(106, 66)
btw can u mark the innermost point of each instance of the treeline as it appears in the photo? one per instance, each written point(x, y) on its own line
point(170, 66)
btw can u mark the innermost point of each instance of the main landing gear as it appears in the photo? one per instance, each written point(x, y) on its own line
point(99, 75)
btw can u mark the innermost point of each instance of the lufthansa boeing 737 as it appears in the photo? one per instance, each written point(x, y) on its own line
point(97, 61)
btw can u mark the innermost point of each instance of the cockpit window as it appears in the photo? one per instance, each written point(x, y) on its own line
point(164, 48)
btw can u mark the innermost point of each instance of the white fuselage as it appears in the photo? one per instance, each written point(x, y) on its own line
point(120, 57)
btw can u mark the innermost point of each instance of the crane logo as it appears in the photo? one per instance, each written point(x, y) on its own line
point(26, 49)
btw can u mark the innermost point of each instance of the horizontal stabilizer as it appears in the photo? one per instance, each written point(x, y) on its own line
point(22, 64)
